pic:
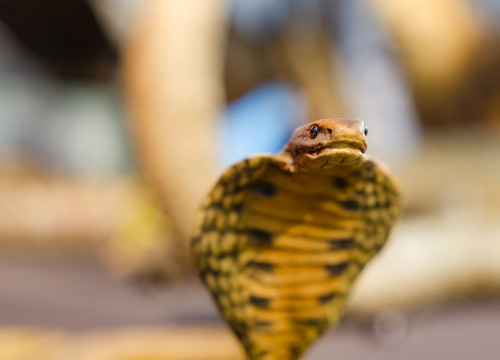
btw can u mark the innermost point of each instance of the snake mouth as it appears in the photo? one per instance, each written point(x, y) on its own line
point(332, 154)
point(346, 146)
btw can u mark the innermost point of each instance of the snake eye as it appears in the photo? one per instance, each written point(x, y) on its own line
point(313, 131)
point(365, 130)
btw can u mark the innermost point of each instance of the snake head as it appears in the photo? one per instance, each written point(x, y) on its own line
point(328, 143)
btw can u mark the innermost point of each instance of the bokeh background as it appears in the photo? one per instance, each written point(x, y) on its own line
point(117, 116)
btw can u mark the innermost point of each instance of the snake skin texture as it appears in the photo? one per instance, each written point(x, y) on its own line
point(279, 249)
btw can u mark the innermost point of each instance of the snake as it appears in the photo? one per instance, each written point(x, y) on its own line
point(280, 239)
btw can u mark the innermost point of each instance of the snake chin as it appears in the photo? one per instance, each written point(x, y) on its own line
point(329, 157)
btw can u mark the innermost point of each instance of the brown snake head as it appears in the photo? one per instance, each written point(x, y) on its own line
point(327, 143)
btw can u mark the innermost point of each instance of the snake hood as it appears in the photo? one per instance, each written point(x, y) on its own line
point(327, 143)
point(280, 239)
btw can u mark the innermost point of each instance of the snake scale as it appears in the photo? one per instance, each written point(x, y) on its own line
point(280, 239)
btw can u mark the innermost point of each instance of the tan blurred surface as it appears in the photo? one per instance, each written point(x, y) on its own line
point(179, 343)
point(48, 213)
point(115, 220)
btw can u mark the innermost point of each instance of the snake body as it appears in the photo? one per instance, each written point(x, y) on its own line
point(280, 239)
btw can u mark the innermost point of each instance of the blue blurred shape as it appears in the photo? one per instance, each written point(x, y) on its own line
point(260, 121)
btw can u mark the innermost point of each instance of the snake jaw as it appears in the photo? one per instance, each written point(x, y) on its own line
point(343, 144)
point(329, 158)
point(333, 154)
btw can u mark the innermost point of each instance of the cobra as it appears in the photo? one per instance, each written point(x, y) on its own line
point(280, 239)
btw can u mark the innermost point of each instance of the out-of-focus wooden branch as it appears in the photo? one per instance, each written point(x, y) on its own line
point(439, 43)
point(48, 214)
point(114, 220)
point(172, 75)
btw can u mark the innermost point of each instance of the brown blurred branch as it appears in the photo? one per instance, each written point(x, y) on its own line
point(54, 214)
point(439, 43)
point(172, 72)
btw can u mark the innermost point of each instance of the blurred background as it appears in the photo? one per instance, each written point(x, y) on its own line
point(116, 117)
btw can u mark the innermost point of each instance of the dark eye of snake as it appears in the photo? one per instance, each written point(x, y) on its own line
point(313, 131)
point(366, 130)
